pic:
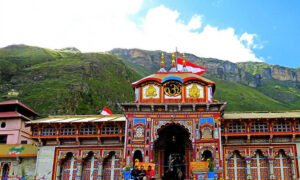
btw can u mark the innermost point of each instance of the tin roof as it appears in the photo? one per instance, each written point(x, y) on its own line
point(80, 119)
point(17, 102)
point(262, 115)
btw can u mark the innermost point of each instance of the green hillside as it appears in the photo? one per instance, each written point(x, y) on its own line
point(70, 82)
point(245, 98)
point(65, 83)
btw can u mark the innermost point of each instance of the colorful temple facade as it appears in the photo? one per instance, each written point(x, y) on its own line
point(176, 125)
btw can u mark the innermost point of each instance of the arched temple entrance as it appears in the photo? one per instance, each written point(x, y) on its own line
point(173, 149)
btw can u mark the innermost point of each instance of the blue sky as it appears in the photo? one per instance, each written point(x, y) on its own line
point(238, 31)
point(276, 23)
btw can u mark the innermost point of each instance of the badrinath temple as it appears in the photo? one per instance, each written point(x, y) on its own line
point(174, 125)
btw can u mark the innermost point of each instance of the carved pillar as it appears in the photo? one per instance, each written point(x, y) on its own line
point(58, 169)
point(100, 169)
point(226, 166)
point(293, 167)
point(79, 168)
point(271, 167)
point(248, 167)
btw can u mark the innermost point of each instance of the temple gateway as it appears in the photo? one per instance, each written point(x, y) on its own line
point(174, 125)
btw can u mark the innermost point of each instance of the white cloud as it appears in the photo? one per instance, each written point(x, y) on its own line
point(98, 25)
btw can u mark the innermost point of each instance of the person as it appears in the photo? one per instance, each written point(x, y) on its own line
point(150, 173)
point(135, 173)
point(142, 174)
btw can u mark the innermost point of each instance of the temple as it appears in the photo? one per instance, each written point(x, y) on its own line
point(175, 125)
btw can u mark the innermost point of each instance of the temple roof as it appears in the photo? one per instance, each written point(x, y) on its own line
point(13, 114)
point(80, 119)
point(262, 115)
point(17, 103)
point(183, 77)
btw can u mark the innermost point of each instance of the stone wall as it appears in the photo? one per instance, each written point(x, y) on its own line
point(45, 161)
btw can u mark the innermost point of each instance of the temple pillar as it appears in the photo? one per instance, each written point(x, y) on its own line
point(271, 167)
point(79, 168)
point(58, 169)
point(293, 167)
point(248, 167)
point(100, 169)
point(226, 167)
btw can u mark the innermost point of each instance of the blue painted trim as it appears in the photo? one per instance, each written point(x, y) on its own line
point(172, 78)
point(206, 120)
point(139, 120)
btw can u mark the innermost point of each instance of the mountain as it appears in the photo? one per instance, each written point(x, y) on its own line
point(249, 86)
point(64, 81)
point(67, 81)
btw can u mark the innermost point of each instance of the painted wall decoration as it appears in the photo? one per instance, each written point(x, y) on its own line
point(151, 91)
point(194, 91)
point(172, 90)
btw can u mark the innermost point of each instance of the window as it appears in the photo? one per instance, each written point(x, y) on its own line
point(23, 142)
point(35, 131)
point(49, 131)
point(110, 129)
point(259, 127)
point(67, 130)
point(298, 125)
point(139, 132)
point(3, 139)
point(3, 125)
point(88, 129)
point(281, 126)
point(236, 127)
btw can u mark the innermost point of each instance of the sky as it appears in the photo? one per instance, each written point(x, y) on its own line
point(238, 31)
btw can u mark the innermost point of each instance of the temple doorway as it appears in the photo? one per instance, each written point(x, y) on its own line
point(173, 149)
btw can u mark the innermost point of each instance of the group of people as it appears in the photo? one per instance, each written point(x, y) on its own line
point(142, 174)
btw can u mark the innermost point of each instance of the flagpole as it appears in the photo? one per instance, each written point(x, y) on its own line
point(176, 58)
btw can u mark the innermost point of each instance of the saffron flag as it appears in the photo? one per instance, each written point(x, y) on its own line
point(106, 111)
point(190, 67)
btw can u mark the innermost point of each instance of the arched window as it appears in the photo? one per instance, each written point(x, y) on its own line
point(259, 127)
point(35, 131)
point(5, 170)
point(49, 131)
point(236, 168)
point(68, 167)
point(139, 132)
point(110, 129)
point(236, 127)
point(282, 166)
point(111, 166)
point(259, 166)
point(282, 126)
point(90, 167)
point(67, 130)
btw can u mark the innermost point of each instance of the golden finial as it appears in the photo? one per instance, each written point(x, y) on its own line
point(173, 60)
point(162, 60)
point(183, 60)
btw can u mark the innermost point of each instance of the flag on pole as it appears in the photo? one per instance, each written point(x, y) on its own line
point(190, 67)
point(105, 111)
